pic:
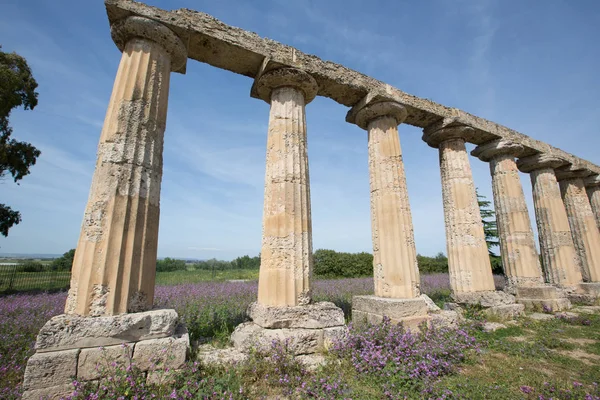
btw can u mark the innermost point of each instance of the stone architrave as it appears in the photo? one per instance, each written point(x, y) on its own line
point(561, 263)
point(468, 260)
point(592, 186)
point(396, 272)
point(582, 221)
point(517, 244)
point(286, 255)
point(115, 261)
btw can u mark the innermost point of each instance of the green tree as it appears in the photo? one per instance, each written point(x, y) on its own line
point(490, 229)
point(170, 264)
point(65, 262)
point(17, 88)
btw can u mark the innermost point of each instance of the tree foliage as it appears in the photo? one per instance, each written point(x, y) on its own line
point(65, 262)
point(17, 89)
point(490, 229)
point(333, 264)
point(170, 264)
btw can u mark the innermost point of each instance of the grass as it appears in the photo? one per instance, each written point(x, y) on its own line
point(196, 276)
point(33, 281)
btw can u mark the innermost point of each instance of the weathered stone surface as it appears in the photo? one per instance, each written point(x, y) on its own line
point(582, 221)
point(468, 260)
point(73, 331)
point(538, 292)
point(298, 341)
point(210, 355)
point(396, 273)
point(49, 393)
point(447, 319)
point(392, 308)
point(332, 335)
point(592, 186)
point(431, 306)
point(542, 298)
point(97, 363)
point(559, 304)
point(488, 298)
point(311, 316)
point(158, 354)
point(590, 288)
point(50, 369)
point(312, 361)
point(540, 316)
point(286, 255)
point(492, 326)
point(506, 311)
point(119, 234)
point(587, 309)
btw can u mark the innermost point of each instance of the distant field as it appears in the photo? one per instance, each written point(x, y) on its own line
point(179, 277)
point(23, 281)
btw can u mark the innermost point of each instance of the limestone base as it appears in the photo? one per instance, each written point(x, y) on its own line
point(309, 329)
point(586, 293)
point(542, 298)
point(487, 298)
point(71, 347)
point(372, 309)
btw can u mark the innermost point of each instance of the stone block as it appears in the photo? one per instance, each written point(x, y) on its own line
point(590, 288)
point(209, 355)
point(430, 303)
point(162, 377)
point(49, 393)
point(311, 316)
point(332, 335)
point(506, 311)
point(558, 304)
point(158, 354)
point(298, 340)
point(97, 363)
point(540, 316)
point(68, 331)
point(492, 326)
point(446, 319)
point(50, 369)
point(395, 309)
point(488, 298)
point(537, 292)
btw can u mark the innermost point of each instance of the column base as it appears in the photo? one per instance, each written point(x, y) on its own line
point(542, 298)
point(71, 347)
point(496, 303)
point(309, 329)
point(586, 293)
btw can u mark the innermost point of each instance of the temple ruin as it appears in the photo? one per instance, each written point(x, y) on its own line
point(112, 287)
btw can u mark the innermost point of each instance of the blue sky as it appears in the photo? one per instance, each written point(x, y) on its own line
point(530, 65)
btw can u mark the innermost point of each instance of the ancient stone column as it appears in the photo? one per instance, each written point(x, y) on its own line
point(582, 221)
point(517, 244)
point(115, 261)
point(592, 185)
point(396, 272)
point(468, 258)
point(286, 255)
point(560, 261)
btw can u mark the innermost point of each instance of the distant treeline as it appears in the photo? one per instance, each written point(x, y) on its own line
point(172, 264)
point(62, 263)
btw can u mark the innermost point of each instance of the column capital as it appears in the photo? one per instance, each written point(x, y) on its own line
point(592, 181)
point(381, 109)
point(499, 147)
point(447, 129)
point(540, 161)
point(290, 77)
point(572, 171)
point(139, 27)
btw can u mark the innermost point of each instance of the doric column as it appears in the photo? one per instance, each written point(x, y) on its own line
point(396, 273)
point(592, 185)
point(115, 261)
point(560, 261)
point(468, 258)
point(286, 255)
point(517, 244)
point(586, 235)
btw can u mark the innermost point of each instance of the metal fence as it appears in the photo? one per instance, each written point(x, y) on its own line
point(14, 279)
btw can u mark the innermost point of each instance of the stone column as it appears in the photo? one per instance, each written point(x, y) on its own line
point(396, 272)
point(592, 185)
point(115, 261)
point(582, 221)
point(520, 258)
point(561, 263)
point(468, 258)
point(286, 255)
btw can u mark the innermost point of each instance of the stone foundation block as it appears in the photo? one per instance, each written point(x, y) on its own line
point(154, 354)
point(447, 319)
point(395, 309)
point(312, 316)
point(542, 297)
point(332, 335)
point(590, 288)
point(92, 362)
point(50, 369)
point(68, 331)
point(249, 335)
point(488, 298)
point(560, 304)
point(537, 292)
point(209, 355)
point(506, 311)
point(49, 393)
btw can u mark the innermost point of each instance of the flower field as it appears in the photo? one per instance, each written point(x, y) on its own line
point(380, 362)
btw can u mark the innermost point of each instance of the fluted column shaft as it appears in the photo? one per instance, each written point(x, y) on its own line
point(584, 229)
point(286, 255)
point(396, 272)
point(593, 193)
point(468, 258)
point(517, 244)
point(556, 243)
point(115, 261)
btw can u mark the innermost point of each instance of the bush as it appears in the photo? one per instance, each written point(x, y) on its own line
point(170, 264)
point(65, 262)
point(30, 266)
point(332, 264)
point(429, 265)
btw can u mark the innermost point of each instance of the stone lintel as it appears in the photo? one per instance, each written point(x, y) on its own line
point(68, 331)
point(312, 316)
point(540, 161)
point(592, 181)
point(395, 309)
point(488, 151)
point(572, 171)
point(447, 129)
point(282, 77)
point(215, 43)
